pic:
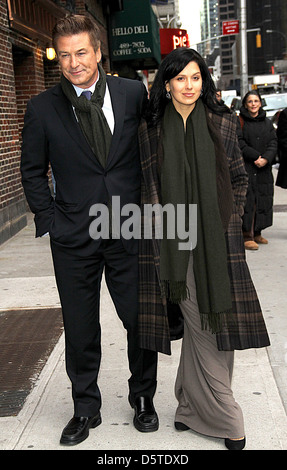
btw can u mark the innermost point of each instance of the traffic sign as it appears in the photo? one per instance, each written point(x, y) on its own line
point(230, 27)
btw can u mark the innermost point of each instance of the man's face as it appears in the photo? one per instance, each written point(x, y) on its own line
point(78, 59)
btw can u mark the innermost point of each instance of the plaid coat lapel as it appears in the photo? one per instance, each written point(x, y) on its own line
point(248, 329)
point(153, 320)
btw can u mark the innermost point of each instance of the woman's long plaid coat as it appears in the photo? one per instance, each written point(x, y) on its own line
point(247, 329)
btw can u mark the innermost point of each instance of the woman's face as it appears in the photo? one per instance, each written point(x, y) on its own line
point(253, 104)
point(185, 88)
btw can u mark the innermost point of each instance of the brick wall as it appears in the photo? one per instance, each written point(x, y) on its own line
point(28, 73)
point(24, 72)
point(12, 202)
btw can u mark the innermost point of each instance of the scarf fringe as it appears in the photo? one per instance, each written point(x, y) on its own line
point(175, 291)
point(215, 321)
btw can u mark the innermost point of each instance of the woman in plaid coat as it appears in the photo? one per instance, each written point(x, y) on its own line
point(190, 155)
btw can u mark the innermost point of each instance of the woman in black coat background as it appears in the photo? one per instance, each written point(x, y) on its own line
point(258, 143)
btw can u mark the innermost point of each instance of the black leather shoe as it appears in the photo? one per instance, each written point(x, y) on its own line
point(232, 444)
point(180, 426)
point(145, 419)
point(77, 429)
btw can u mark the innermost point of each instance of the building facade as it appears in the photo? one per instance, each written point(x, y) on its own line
point(271, 18)
point(25, 32)
point(209, 26)
point(167, 12)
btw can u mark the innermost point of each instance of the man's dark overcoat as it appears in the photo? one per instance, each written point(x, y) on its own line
point(52, 135)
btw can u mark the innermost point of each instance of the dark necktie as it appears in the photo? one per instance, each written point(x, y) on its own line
point(87, 94)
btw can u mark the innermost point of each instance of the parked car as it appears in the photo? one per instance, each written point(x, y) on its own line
point(273, 105)
point(227, 96)
point(228, 99)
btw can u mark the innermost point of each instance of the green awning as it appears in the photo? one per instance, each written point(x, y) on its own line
point(134, 35)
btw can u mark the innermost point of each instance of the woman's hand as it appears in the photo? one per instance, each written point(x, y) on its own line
point(260, 162)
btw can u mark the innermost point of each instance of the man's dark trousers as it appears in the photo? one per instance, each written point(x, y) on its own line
point(79, 282)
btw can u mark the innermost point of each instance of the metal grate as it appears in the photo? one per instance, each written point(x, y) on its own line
point(27, 338)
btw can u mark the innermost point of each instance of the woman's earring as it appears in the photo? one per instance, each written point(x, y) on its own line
point(201, 93)
point(168, 95)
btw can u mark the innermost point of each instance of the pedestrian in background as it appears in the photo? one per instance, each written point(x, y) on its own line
point(86, 128)
point(258, 143)
point(190, 155)
point(281, 179)
point(219, 96)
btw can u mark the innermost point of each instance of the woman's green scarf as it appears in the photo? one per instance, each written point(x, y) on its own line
point(188, 176)
point(91, 117)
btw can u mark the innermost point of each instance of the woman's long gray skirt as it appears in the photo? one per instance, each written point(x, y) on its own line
point(203, 383)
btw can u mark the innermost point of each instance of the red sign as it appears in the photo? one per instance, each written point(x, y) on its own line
point(172, 38)
point(230, 27)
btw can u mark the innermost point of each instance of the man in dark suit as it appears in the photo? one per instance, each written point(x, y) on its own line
point(92, 147)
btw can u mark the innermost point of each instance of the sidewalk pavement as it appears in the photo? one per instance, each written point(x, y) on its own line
point(260, 377)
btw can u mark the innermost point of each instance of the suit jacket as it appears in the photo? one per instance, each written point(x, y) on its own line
point(52, 135)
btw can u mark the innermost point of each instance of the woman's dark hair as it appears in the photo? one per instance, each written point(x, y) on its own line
point(169, 68)
point(251, 92)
